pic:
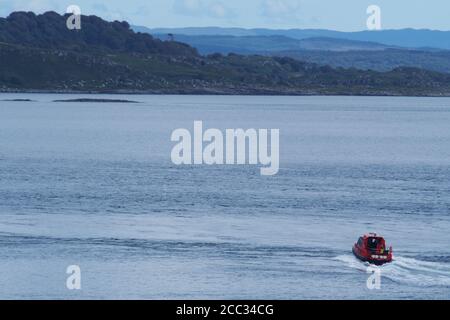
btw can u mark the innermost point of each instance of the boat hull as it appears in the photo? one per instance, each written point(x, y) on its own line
point(366, 258)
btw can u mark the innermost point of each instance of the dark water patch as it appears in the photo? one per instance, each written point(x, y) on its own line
point(231, 250)
point(434, 258)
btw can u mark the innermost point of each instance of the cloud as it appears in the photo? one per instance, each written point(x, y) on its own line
point(203, 8)
point(37, 6)
point(282, 10)
point(189, 6)
point(218, 10)
point(99, 7)
point(106, 13)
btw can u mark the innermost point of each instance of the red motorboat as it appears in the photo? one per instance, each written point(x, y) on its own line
point(372, 248)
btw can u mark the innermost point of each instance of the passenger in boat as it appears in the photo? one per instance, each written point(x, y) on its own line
point(372, 244)
point(376, 245)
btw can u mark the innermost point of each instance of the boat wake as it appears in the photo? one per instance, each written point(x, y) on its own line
point(407, 271)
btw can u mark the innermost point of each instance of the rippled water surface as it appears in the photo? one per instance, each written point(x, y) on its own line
point(92, 184)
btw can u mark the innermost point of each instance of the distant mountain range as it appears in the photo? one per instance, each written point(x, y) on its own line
point(408, 38)
point(386, 60)
point(396, 48)
point(270, 44)
point(39, 53)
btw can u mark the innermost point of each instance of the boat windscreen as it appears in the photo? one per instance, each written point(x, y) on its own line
point(372, 243)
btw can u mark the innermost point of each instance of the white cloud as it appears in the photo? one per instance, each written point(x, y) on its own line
point(37, 6)
point(282, 10)
point(203, 8)
point(191, 5)
point(218, 10)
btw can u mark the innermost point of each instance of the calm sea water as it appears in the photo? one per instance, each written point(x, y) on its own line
point(92, 184)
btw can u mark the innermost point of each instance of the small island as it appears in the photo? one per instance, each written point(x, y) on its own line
point(97, 100)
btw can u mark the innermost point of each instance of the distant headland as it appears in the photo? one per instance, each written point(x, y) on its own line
point(109, 57)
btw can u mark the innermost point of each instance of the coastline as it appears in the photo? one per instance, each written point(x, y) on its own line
point(218, 92)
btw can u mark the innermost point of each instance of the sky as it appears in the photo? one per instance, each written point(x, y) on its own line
point(343, 15)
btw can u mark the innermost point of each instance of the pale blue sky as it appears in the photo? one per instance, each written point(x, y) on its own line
point(346, 15)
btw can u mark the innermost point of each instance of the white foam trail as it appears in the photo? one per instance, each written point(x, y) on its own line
point(352, 262)
point(407, 270)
